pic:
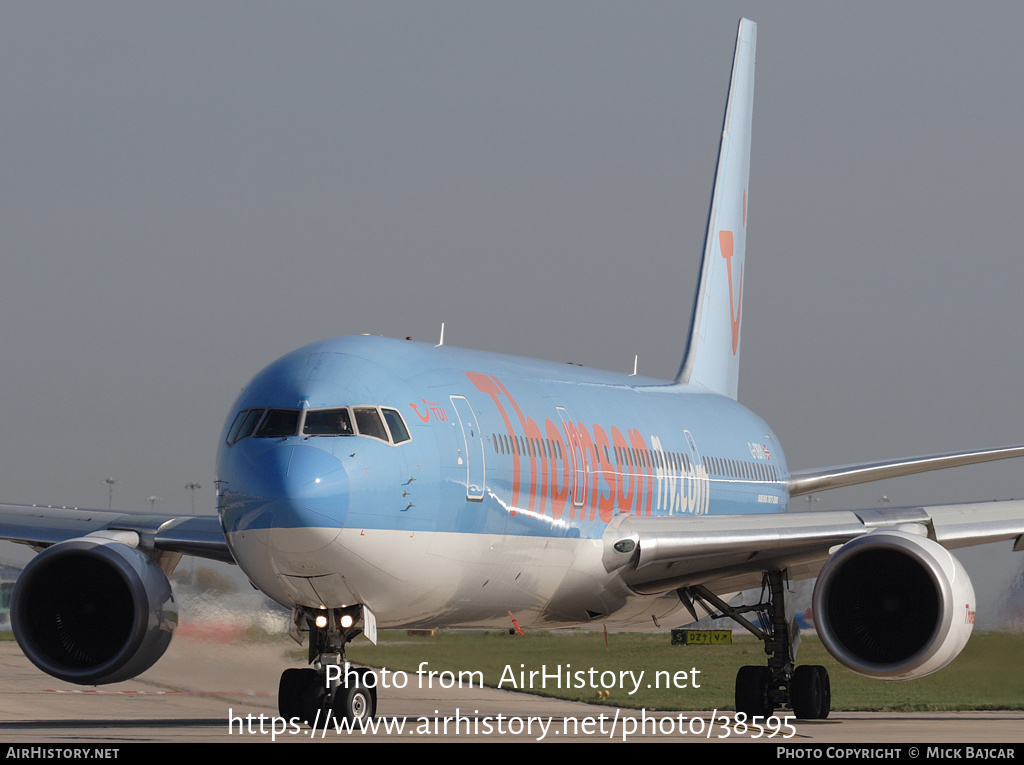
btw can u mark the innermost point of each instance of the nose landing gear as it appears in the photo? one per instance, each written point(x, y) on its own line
point(331, 687)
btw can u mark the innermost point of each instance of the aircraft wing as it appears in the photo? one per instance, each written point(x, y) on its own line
point(41, 527)
point(730, 552)
point(807, 481)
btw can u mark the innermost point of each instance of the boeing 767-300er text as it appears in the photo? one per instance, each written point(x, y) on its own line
point(367, 482)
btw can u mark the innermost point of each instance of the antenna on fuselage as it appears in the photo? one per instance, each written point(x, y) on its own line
point(635, 359)
point(442, 336)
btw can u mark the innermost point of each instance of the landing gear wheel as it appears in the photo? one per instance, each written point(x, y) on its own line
point(752, 685)
point(811, 692)
point(368, 681)
point(355, 702)
point(289, 693)
point(301, 694)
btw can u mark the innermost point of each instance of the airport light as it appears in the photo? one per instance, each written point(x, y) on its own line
point(110, 491)
point(192, 486)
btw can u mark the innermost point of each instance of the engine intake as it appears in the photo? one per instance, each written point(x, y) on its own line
point(92, 611)
point(893, 605)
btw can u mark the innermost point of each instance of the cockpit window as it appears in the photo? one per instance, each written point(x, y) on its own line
point(369, 423)
point(234, 428)
point(396, 424)
point(328, 422)
point(279, 423)
point(339, 421)
point(244, 425)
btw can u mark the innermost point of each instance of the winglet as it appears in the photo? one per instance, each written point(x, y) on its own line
point(713, 350)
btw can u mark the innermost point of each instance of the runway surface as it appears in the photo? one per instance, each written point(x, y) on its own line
point(203, 691)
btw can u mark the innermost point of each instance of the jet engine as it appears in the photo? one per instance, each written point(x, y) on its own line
point(93, 611)
point(893, 605)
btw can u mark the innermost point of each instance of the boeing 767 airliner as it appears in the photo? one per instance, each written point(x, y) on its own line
point(366, 482)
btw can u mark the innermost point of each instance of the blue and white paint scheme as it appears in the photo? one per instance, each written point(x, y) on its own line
point(501, 481)
point(367, 482)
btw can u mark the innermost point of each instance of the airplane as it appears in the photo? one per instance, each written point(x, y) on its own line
point(366, 482)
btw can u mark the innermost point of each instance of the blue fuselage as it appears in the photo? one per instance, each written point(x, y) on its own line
point(436, 443)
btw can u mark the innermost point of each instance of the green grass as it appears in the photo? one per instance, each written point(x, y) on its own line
point(987, 675)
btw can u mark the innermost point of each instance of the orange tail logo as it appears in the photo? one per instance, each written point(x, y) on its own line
point(735, 306)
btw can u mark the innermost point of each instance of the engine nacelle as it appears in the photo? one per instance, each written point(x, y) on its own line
point(93, 611)
point(893, 605)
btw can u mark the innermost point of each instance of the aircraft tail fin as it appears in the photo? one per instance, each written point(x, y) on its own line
point(713, 350)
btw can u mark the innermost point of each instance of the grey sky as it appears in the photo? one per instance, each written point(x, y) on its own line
point(190, 190)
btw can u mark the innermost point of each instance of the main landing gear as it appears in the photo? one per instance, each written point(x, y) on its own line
point(761, 690)
point(330, 688)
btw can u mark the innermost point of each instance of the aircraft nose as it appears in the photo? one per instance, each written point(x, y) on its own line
point(293, 486)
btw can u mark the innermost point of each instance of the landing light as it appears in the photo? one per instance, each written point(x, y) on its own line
point(346, 621)
point(321, 621)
